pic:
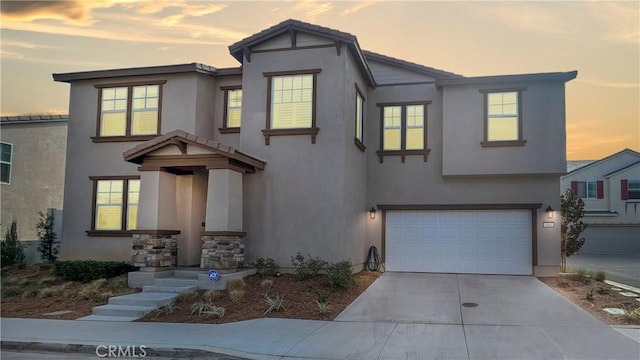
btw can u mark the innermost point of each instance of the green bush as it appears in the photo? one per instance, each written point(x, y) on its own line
point(89, 270)
point(340, 275)
point(11, 250)
point(267, 267)
point(306, 268)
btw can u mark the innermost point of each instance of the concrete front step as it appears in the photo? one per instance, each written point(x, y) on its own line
point(108, 318)
point(123, 310)
point(143, 299)
point(188, 274)
point(176, 281)
point(168, 288)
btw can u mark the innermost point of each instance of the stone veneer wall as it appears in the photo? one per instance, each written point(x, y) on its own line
point(155, 251)
point(222, 252)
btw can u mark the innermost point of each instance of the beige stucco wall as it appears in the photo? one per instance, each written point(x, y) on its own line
point(543, 122)
point(86, 158)
point(37, 174)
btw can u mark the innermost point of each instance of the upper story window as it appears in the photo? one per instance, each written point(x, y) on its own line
point(291, 103)
point(232, 109)
point(403, 129)
point(359, 136)
point(633, 190)
point(588, 190)
point(6, 158)
point(128, 111)
point(503, 117)
point(115, 205)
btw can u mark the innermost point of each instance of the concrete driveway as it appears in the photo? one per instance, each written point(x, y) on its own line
point(516, 317)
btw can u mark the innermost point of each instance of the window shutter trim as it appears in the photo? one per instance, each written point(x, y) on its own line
point(574, 187)
point(624, 189)
point(600, 189)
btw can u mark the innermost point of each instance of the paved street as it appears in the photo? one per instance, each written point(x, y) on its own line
point(620, 268)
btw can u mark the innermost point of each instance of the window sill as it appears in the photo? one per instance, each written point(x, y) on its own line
point(289, 132)
point(104, 139)
point(503, 143)
point(402, 153)
point(359, 144)
point(229, 130)
point(109, 233)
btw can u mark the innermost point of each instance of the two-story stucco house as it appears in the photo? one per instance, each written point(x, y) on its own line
point(317, 146)
point(610, 189)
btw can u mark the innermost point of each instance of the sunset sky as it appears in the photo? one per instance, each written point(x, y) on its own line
point(599, 39)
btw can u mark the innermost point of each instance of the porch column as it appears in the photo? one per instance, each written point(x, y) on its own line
point(155, 241)
point(224, 201)
point(157, 204)
point(222, 239)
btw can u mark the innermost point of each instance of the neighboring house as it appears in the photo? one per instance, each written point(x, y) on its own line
point(610, 189)
point(32, 171)
point(317, 146)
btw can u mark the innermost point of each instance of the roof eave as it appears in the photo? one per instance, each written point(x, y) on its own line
point(140, 71)
point(480, 80)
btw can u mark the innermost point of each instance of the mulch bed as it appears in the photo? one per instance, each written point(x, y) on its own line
point(299, 300)
point(571, 287)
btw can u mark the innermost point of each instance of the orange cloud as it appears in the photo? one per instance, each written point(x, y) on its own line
point(73, 12)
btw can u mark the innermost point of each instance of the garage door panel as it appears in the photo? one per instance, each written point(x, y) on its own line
point(491, 242)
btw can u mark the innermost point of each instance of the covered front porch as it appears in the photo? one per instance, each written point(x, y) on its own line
point(190, 207)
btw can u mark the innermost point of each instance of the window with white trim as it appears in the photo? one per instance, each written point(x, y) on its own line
point(633, 188)
point(588, 190)
point(6, 158)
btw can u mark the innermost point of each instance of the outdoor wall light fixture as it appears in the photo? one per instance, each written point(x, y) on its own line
point(549, 211)
point(372, 213)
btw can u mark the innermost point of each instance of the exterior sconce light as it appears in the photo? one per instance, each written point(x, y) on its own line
point(549, 211)
point(372, 213)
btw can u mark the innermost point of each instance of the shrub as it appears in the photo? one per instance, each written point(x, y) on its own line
point(267, 267)
point(236, 284)
point(306, 268)
point(48, 247)
point(210, 294)
point(236, 295)
point(322, 303)
point(167, 309)
point(11, 250)
point(632, 314)
point(266, 284)
point(207, 308)
point(275, 302)
point(600, 276)
point(89, 270)
point(340, 275)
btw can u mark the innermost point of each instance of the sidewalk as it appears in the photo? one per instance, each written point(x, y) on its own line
point(287, 338)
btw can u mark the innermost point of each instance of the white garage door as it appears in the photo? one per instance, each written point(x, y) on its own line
point(473, 241)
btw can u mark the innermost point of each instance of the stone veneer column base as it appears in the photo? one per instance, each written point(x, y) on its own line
point(222, 250)
point(154, 251)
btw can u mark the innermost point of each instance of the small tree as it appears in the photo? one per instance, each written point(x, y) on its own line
point(11, 251)
point(48, 246)
point(572, 209)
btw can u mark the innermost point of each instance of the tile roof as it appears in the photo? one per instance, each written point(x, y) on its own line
point(136, 153)
point(370, 55)
point(23, 119)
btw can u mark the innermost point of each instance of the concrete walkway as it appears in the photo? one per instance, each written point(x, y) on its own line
point(515, 318)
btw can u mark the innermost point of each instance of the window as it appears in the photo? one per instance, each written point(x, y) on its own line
point(633, 189)
point(588, 190)
point(5, 162)
point(403, 129)
point(291, 103)
point(359, 138)
point(129, 111)
point(232, 109)
point(115, 203)
point(503, 117)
